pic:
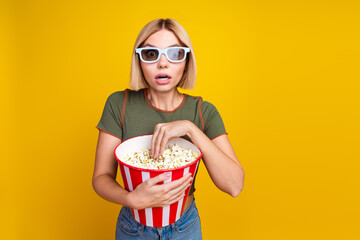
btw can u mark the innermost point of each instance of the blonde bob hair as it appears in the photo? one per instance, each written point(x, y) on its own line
point(137, 79)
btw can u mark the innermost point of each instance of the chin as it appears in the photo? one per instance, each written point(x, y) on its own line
point(163, 88)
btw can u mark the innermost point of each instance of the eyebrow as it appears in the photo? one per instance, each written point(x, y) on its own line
point(174, 45)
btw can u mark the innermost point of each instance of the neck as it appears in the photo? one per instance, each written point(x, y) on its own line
point(167, 101)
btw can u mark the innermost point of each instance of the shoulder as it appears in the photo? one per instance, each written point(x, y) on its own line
point(124, 94)
point(205, 106)
point(134, 96)
point(208, 107)
point(133, 93)
point(116, 98)
point(117, 95)
point(193, 99)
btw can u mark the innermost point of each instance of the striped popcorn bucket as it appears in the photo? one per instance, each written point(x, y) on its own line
point(133, 176)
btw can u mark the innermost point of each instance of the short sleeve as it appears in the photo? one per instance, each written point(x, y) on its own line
point(213, 123)
point(110, 121)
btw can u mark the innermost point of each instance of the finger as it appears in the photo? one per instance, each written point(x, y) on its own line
point(163, 143)
point(153, 140)
point(155, 133)
point(176, 199)
point(177, 183)
point(181, 188)
point(158, 141)
point(176, 196)
point(159, 178)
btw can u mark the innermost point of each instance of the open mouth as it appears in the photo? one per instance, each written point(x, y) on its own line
point(162, 77)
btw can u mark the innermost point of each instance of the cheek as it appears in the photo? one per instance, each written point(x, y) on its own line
point(146, 70)
point(181, 69)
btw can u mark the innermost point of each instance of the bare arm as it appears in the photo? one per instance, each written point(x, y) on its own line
point(147, 194)
point(220, 160)
point(218, 155)
point(104, 176)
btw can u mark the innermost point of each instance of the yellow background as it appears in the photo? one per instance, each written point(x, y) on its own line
point(283, 74)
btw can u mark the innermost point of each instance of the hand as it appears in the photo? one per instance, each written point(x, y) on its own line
point(164, 132)
point(150, 194)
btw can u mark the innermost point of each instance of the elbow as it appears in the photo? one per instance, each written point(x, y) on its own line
point(93, 183)
point(96, 183)
point(235, 192)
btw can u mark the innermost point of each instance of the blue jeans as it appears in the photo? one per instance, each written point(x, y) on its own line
point(187, 227)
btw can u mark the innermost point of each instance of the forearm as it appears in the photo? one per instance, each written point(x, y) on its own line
point(226, 173)
point(106, 187)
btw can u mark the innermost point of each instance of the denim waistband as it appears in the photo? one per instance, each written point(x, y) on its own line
point(172, 226)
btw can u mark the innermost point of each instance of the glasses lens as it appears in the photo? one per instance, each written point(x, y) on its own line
point(149, 54)
point(176, 54)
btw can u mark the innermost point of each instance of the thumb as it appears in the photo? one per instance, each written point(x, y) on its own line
point(159, 178)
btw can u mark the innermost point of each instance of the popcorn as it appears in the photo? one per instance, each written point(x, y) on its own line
point(136, 166)
point(174, 156)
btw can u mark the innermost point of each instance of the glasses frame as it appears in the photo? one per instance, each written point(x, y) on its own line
point(186, 49)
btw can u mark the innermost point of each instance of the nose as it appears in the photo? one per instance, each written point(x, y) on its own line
point(163, 62)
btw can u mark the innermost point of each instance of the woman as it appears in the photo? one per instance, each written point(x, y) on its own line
point(163, 60)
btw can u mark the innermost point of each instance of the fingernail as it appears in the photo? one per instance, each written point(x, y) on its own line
point(168, 174)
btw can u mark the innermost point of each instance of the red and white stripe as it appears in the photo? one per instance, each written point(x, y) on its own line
point(157, 216)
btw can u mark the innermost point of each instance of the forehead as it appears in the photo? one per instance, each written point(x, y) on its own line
point(162, 39)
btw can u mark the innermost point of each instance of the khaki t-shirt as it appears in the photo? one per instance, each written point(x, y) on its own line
point(129, 114)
